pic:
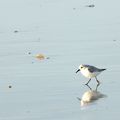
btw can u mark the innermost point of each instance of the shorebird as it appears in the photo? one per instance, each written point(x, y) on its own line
point(90, 72)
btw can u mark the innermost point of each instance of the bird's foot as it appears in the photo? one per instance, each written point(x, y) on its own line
point(86, 84)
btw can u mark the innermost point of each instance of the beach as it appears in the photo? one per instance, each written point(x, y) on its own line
point(66, 34)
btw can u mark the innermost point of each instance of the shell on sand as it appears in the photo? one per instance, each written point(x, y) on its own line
point(40, 56)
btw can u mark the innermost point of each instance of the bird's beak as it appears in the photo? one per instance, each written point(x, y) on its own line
point(78, 70)
point(79, 98)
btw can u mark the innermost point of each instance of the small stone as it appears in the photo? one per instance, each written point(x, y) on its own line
point(29, 53)
point(10, 86)
point(74, 8)
point(47, 57)
point(16, 31)
point(92, 5)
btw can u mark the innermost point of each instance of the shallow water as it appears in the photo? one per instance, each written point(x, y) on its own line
point(69, 33)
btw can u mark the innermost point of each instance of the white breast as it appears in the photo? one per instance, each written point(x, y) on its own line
point(88, 74)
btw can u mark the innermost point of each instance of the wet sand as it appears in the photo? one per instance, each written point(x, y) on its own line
point(68, 33)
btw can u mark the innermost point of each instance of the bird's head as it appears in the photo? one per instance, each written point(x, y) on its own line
point(80, 68)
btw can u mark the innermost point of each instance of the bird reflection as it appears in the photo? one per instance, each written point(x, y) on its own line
point(91, 96)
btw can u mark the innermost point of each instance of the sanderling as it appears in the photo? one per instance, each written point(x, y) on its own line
point(90, 72)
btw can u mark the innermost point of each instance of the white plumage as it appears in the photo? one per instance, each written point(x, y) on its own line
point(90, 71)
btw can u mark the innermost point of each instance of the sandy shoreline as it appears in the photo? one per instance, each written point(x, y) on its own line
point(69, 33)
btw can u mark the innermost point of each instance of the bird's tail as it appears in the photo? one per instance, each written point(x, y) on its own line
point(103, 69)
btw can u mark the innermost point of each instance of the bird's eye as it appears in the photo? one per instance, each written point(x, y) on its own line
point(81, 67)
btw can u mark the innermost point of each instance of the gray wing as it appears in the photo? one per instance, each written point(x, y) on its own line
point(92, 68)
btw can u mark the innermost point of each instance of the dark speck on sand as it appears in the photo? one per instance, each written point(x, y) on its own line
point(92, 5)
point(10, 86)
point(16, 31)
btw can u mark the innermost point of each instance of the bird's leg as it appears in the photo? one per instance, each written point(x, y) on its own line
point(88, 82)
point(88, 86)
point(97, 87)
point(97, 81)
